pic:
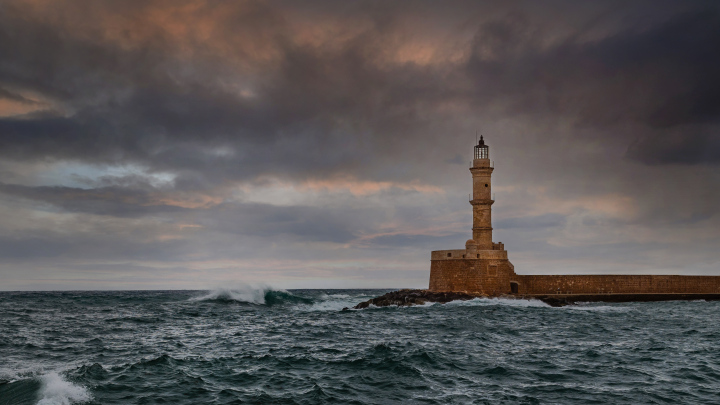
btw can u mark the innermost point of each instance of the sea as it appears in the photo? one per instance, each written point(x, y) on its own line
point(259, 345)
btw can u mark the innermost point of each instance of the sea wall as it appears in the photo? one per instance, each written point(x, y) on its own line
point(616, 284)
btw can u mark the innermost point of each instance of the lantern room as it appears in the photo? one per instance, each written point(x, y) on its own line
point(482, 151)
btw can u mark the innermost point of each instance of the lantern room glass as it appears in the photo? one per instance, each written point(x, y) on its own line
point(482, 151)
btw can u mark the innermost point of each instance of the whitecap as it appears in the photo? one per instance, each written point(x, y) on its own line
point(55, 390)
point(250, 294)
point(327, 306)
point(599, 308)
point(338, 296)
point(331, 304)
point(512, 302)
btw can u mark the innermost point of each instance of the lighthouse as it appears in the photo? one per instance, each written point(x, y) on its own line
point(481, 200)
point(483, 266)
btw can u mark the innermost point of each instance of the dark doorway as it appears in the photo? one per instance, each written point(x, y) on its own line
point(513, 287)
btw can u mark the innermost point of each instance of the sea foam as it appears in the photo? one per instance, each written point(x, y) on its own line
point(249, 294)
point(55, 390)
point(511, 302)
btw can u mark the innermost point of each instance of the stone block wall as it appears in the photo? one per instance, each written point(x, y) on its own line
point(616, 284)
point(484, 276)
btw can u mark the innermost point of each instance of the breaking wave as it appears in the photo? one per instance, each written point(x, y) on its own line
point(50, 388)
point(257, 295)
point(55, 390)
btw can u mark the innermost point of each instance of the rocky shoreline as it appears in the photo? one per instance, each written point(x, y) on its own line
point(408, 297)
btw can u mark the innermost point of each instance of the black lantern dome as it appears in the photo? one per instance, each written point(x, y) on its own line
point(482, 151)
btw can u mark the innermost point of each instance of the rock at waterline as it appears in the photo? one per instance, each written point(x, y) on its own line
point(406, 298)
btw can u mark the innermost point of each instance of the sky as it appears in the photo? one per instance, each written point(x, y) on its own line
point(326, 144)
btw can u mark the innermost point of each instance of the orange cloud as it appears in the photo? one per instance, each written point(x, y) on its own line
point(187, 201)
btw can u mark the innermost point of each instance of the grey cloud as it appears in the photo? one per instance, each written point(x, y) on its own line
point(299, 223)
point(684, 144)
point(539, 221)
point(6, 94)
point(407, 240)
point(256, 97)
point(113, 201)
point(662, 77)
point(60, 247)
point(32, 247)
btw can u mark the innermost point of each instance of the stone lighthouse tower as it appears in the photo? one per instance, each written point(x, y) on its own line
point(483, 266)
point(481, 196)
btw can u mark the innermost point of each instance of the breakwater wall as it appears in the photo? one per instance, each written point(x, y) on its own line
point(616, 284)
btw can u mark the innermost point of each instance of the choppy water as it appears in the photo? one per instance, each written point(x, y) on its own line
point(260, 346)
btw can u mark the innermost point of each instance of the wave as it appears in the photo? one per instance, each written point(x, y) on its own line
point(251, 295)
point(597, 308)
point(331, 296)
point(330, 305)
point(260, 295)
point(18, 390)
point(55, 390)
point(51, 389)
point(510, 302)
point(335, 302)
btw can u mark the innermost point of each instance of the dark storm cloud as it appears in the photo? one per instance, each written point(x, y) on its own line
point(664, 77)
point(329, 108)
point(146, 102)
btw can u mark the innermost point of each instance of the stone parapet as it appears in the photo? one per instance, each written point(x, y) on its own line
point(447, 254)
point(463, 254)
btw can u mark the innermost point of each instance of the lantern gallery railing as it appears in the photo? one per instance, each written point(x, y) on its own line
point(471, 199)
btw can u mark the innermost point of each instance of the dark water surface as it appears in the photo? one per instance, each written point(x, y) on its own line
point(273, 347)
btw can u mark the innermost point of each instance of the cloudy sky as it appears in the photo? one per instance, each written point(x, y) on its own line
point(192, 144)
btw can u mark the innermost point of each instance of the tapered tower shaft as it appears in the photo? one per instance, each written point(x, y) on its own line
point(482, 197)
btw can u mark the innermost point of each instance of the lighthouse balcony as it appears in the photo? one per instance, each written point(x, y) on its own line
point(481, 201)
